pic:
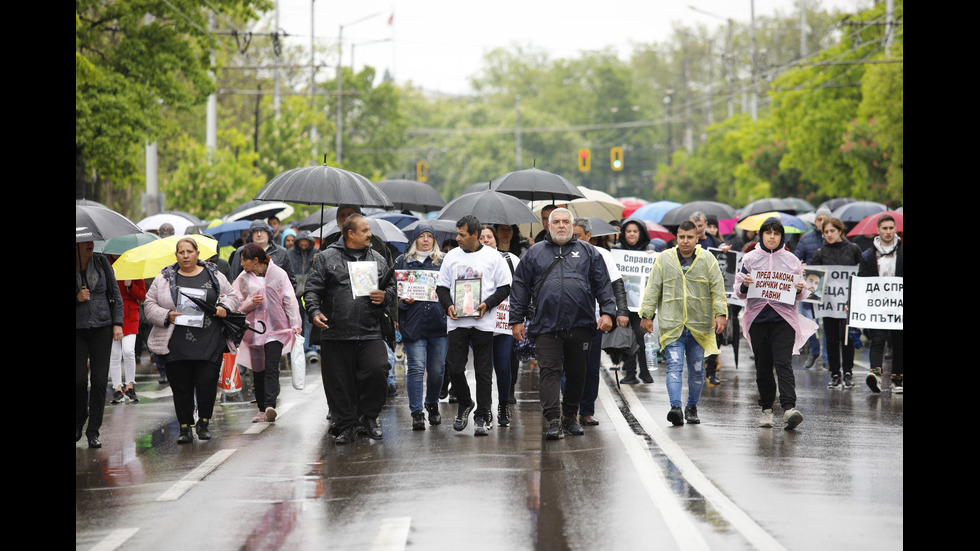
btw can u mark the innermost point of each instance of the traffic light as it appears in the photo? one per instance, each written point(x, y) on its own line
point(616, 158)
point(421, 171)
point(584, 160)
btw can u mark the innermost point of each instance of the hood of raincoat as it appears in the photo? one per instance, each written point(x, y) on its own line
point(644, 241)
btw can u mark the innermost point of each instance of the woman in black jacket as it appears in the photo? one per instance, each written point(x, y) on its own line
point(634, 236)
point(837, 251)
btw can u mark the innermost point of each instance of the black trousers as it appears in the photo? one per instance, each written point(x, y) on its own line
point(772, 344)
point(563, 351)
point(834, 330)
point(460, 341)
point(895, 339)
point(267, 381)
point(640, 358)
point(355, 379)
point(93, 347)
point(190, 378)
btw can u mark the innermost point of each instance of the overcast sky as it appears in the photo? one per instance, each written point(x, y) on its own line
point(439, 44)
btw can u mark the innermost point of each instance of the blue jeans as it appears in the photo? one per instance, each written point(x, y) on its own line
point(502, 347)
point(391, 365)
point(685, 346)
point(425, 355)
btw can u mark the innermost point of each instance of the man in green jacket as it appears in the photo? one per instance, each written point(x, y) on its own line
point(687, 292)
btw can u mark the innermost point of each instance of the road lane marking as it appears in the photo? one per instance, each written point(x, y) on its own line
point(678, 521)
point(256, 428)
point(755, 534)
point(183, 485)
point(393, 535)
point(115, 539)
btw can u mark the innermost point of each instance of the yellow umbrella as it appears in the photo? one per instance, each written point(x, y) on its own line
point(146, 261)
point(791, 224)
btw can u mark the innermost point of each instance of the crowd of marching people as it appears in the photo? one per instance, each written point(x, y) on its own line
point(493, 295)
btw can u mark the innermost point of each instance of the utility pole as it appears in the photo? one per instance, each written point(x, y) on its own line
point(754, 105)
point(517, 133)
point(211, 125)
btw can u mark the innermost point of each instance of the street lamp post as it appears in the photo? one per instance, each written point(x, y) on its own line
point(670, 137)
point(340, 86)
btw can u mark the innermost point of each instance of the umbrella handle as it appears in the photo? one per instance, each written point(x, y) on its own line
point(250, 328)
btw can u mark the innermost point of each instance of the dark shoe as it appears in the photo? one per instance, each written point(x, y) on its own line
point(346, 436)
point(629, 379)
point(676, 416)
point(94, 442)
point(392, 390)
point(588, 420)
point(185, 435)
point(570, 425)
point(835, 383)
point(480, 426)
point(203, 432)
point(462, 416)
point(418, 420)
point(503, 415)
point(118, 397)
point(372, 427)
point(874, 381)
point(452, 398)
point(848, 380)
point(131, 394)
point(435, 418)
point(443, 394)
point(809, 362)
point(691, 415)
point(646, 377)
point(554, 432)
point(713, 380)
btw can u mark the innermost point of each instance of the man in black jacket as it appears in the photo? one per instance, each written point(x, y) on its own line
point(562, 278)
point(355, 360)
point(885, 258)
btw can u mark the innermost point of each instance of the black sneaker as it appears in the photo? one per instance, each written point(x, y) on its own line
point(848, 381)
point(713, 380)
point(117, 397)
point(691, 415)
point(646, 377)
point(874, 381)
point(435, 418)
point(372, 427)
point(834, 383)
point(131, 394)
point(629, 380)
point(570, 425)
point(203, 432)
point(503, 415)
point(480, 426)
point(554, 432)
point(676, 416)
point(462, 416)
point(418, 420)
point(185, 435)
point(346, 436)
point(809, 362)
point(453, 399)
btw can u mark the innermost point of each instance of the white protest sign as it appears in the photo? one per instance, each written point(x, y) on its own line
point(502, 327)
point(635, 268)
point(773, 285)
point(876, 302)
point(835, 292)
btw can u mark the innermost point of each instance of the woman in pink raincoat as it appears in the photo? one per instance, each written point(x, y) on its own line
point(774, 329)
point(266, 295)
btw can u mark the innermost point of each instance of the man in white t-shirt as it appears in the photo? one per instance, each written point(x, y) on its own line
point(472, 268)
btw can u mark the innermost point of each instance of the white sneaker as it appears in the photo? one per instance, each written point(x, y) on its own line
point(259, 417)
point(270, 415)
point(792, 418)
point(766, 420)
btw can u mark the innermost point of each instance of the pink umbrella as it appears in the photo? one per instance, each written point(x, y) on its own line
point(656, 230)
point(630, 204)
point(869, 224)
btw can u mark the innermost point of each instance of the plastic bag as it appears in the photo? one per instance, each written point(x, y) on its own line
point(298, 358)
point(231, 380)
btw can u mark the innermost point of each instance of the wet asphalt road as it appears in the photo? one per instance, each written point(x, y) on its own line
point(632, 482)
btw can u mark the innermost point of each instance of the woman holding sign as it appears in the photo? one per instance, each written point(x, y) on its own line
point(771, 323)
point(837, 251)
point(423, 327)
point(505, 364)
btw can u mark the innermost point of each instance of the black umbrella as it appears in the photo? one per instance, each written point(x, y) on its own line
point(489, 207)
point(837, 202)
point(314, 220)
point(324, 185)
point(444, 229)
point(675, 216)
point(535, 184)
point(802, 205)
point(857, 211)
point(768, 204)
point(479, 186)
point(411, 195)
point(100, 224)
point(259, 210)
point(233, 324)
